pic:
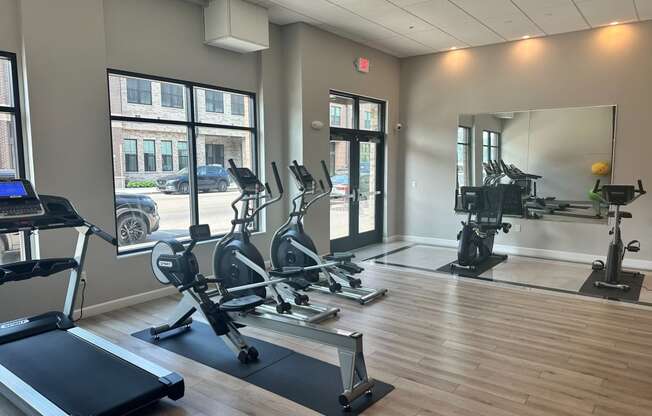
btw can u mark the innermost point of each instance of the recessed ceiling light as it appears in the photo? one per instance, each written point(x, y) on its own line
point(453, 48)
point(614, 23)
point(525, 37)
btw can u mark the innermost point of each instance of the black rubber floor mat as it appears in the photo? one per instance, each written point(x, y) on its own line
point(635, 283)
point(490, 263)
point(304, 380)
point(200, 344)
point(314, 384)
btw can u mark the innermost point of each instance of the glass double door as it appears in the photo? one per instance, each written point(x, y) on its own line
point(356, 202)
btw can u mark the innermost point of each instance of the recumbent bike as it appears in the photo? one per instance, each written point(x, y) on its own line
point(485, 206)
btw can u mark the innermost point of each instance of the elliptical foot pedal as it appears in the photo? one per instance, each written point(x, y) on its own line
point(342, 257)
point(351, 268)
point(241, 304)
point(299, 283)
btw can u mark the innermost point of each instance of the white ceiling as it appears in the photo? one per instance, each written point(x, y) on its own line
point(415, 27)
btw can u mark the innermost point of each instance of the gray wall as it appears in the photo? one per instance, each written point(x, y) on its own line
point(326, 62)
point(561, 145)
point(609, 65)
point(70, 122)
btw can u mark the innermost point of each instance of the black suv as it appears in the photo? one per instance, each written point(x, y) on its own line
point(209, 178)
point(136, 216)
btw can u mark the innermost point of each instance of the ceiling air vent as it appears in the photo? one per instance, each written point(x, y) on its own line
point(236, 25)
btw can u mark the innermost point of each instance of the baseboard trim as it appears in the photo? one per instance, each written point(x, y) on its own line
point(529, 252)
point(125, 302)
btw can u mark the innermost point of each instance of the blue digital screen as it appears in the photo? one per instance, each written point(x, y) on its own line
point(12, 189)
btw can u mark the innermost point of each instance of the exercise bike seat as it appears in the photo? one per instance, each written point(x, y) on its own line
point(340, 257)
point(243, 303)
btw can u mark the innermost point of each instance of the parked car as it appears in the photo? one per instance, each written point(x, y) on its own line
point(136, 216)
point(209, 178)
point(7, 174)
point(340, 185)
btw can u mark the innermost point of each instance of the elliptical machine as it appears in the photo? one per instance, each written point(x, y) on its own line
point(292, 247)
point(238, 262)
point(484, 205)
point(617, 196)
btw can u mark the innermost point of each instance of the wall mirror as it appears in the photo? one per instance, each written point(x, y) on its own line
point(555, 155)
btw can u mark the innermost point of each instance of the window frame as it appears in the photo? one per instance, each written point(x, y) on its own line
point(179, 156)
point(192, 124)
point(16, 110)
point(170, 155)
point(244, 110)
point(489, 146)
point(220, 110)
point(139, 80)
point(171, 97)
point(131, 154)
point(151, 154)
point(468, 146)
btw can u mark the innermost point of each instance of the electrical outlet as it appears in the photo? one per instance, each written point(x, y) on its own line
point(414, 184)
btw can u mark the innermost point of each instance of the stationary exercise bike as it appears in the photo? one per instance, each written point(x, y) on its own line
point(475, 242)
point(617, 196)
point(292, 247)
point(238, 262)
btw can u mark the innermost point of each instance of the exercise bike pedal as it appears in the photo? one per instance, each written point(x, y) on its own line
point(597, 265)
point(634, 246)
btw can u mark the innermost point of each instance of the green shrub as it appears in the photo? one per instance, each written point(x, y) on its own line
point(141, 184)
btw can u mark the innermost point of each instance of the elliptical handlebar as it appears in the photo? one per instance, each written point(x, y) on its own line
point(327, 174)
point(596, 188)
point(277, 177)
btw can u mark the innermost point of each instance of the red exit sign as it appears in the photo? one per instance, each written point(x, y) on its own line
point(362, 65)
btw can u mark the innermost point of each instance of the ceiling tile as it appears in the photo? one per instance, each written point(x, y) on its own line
point(435, 39)
point(603, 12)
point(401, 22)
point(553, 16)
point(644, 9)
point(450, 18)
point(501, 16)
point(400, 46)
point(367, 7)
point(282, 16)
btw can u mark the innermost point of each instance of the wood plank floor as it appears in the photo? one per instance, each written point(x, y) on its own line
point(449, 347)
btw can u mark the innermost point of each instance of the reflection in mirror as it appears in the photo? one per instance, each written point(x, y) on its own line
point(554, 155)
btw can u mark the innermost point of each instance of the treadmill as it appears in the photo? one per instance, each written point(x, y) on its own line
point(48, 366)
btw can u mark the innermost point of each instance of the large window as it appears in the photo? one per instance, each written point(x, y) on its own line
point(12, 246)
point(166, 155)
point(130, 149)
point(156, 199)
point(171, 95)
point(490, 146)
point(463, 156)
point(149, 153)
point(237, 105)
point(214, 101)
point(139, 91)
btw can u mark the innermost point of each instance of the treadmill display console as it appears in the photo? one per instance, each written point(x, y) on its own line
point(18, 200)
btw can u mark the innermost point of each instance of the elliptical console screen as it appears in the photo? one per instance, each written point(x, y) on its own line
point(12, 190)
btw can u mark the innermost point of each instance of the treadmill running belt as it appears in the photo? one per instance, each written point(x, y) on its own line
point(79, 377)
